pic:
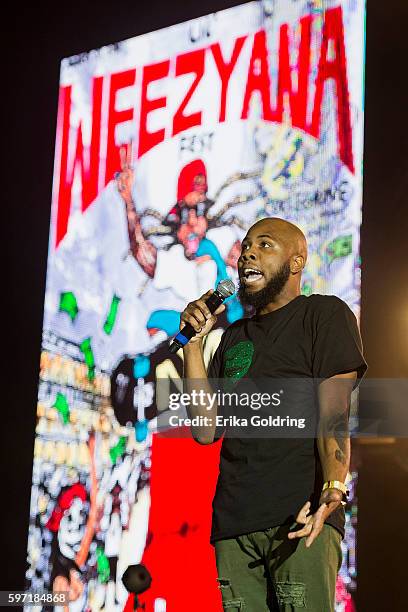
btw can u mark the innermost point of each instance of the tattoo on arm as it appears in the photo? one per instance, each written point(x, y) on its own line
point(340, 456)
point(336, 426)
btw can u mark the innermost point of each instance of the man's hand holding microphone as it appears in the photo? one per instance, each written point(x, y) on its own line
point(197, 320)
point(198, 315)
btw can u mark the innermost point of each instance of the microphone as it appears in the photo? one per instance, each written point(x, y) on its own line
point(225, 288)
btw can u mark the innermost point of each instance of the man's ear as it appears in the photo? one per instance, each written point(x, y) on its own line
point(297, 264)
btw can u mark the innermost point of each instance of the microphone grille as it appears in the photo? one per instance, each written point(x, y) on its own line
point(226, 287)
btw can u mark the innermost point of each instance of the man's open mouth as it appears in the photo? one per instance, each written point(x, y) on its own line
point(251, 275)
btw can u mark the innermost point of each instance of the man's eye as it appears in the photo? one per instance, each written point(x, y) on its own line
point(266, 244)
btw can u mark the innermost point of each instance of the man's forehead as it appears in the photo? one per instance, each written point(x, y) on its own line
point(269, 230)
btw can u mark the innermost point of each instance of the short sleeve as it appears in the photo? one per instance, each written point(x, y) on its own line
point(337, 347)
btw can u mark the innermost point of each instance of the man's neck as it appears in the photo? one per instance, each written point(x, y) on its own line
point(281, 300)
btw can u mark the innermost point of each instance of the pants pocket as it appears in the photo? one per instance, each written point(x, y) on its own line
point(229, 602)
point(291, 593)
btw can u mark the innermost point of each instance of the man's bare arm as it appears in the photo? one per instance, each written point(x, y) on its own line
point(333, 436)
point(195, 374)
point(333, 444)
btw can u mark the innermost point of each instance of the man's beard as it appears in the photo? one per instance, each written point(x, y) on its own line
point(260, 299)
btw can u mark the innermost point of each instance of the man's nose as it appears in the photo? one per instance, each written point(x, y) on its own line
point(248, 255)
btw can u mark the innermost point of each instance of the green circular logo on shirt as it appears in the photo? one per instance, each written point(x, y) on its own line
point(238, 359)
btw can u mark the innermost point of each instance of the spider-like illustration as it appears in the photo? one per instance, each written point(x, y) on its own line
point(183, 230)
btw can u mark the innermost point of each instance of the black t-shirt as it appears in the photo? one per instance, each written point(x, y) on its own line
point(264, 482)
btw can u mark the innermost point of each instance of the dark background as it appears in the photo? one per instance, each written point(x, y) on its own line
point(36, 39)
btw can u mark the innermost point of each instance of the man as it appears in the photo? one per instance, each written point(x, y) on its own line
point(276, 528)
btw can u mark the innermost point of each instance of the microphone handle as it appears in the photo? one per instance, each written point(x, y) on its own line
point(188, 331)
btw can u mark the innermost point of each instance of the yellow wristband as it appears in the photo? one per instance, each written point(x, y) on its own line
point(337, 484)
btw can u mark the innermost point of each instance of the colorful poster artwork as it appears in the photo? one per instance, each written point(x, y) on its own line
point(169, 146)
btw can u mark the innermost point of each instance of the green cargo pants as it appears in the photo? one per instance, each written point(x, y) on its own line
point(264, 570)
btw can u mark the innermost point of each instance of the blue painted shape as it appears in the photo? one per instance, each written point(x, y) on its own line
point(141, 430)
point(141, 366)
point(167, 320)
point(235, 310)
point(207, 247)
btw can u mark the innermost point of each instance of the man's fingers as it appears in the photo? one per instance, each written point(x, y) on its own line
point(313, 523)
point(220, 309)
point(196, 311)
point(313, 534)
point(198, 315)
point(304, 519)
point(318, 523)
point(303, 512)
point(311, 538)
point(195, 324)
point(309, 541)
point(204, 308)
point(305, 531)
point(207, 294)
point(203, 298)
